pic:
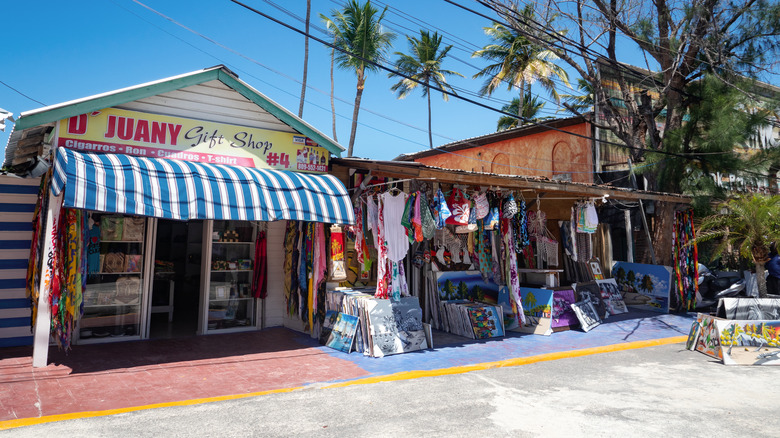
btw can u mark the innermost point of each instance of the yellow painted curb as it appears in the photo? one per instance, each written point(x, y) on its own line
point(11, 424)
point(405, 375)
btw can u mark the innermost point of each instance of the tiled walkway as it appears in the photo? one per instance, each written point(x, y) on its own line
point(129, 374)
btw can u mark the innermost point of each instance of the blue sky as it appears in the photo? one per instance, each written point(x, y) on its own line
point(55, 51)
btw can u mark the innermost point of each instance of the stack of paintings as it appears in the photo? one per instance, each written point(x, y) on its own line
point(472, 320)
point(383, 327)
point(453, 287)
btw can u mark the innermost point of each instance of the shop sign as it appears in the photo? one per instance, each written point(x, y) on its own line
point(117, 131)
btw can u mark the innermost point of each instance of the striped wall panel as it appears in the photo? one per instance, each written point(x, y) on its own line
point(17, 204)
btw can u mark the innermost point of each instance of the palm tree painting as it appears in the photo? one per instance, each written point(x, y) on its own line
point(423, 65)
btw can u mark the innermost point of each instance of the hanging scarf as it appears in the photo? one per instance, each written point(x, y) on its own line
point(417, 219)
point(483, 253)
point(685, 261)
point(359, 239)
point(426, 219)
point(290, 265)
point(36, 249)
point(382, 273)
point(260, 272)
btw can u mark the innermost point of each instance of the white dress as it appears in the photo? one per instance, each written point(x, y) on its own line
point(395, 233)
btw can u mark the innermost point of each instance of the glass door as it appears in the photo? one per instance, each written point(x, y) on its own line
point(228, 293)
point(116, 260)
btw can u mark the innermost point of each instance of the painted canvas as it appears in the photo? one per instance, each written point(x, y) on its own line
point(749, 308)
point(709, 340)
point(485, 321)
point(749, 342)
point(644, 286)
point(469, 285)
point(343, 332)
point(611, 295)
point(395, 327)
point(590, 290)
point(327, 326)
point(586, 314)
point(562, 314)
point(537, 305)
point(693, 336)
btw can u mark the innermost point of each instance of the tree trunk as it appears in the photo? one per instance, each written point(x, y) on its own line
point(305, 59)
point(662, 232)
point(358, 96)
point(332, 90)
point(430, 132)
point(761, 279)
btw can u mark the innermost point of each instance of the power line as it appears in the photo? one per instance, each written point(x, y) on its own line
point(22, 94)
point(385, 68)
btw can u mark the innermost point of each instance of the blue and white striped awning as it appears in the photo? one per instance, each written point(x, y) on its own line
point(185, 190)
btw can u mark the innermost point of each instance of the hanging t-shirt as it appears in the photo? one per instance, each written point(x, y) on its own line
point(395, 233)
point(93, 250)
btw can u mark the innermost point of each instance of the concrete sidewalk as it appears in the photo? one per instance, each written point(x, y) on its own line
point(102, 379)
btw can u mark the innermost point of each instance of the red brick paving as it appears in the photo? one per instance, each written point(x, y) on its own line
point(128, 374)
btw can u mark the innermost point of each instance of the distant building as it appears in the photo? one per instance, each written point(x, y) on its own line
point(559, 149)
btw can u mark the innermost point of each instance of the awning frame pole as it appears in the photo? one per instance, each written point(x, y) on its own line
point(42, 329)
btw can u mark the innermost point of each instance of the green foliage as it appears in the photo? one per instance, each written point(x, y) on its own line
point(423, 64)
point(718, 119)
point(531, 107)
point(515, 60)
point(749, 224)
point(357, 31)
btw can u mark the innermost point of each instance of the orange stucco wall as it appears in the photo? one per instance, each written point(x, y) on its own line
point(542, 154)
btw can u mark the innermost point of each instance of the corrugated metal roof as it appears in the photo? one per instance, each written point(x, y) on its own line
point(493, 137)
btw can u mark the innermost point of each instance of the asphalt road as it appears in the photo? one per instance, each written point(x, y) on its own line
point(657, 391)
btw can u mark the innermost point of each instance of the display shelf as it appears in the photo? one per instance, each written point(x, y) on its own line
point(113, 300)
point(230, 270)
point(118, 273)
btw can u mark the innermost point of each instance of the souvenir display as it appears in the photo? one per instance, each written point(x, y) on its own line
point(133, 229)
point(111, 227)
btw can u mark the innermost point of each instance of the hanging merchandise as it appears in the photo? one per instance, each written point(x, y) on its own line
point(359, 239)
point(393, 206)
point(67, 286)
point(459, 206)
point(381, 248)
point(426, 219)
point(260, 273)
point(510, 207)
point(483, 252)
point(38, 240)
point(338, 270)
point(441, 212)
point(573, 235)
point(290, 266)
point(417, 219)
point(481, 206)
point(472, 223)
point(587, 218)
point(520, 225)
point(686, 261)
point(491, 221)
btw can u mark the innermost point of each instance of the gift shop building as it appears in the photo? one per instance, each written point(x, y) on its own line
point(164, 209)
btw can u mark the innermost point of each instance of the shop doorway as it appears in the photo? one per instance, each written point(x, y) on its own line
point(176, 285)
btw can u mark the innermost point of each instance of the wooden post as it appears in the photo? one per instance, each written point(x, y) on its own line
point(629, 237)
point(43, 316)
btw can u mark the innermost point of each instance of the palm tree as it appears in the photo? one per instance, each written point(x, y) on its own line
point(424, 66)
point(361, 44)
point(751, 224)
point(305, 58)
point(516, 59)
point(531, 107)
point(579, 103)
